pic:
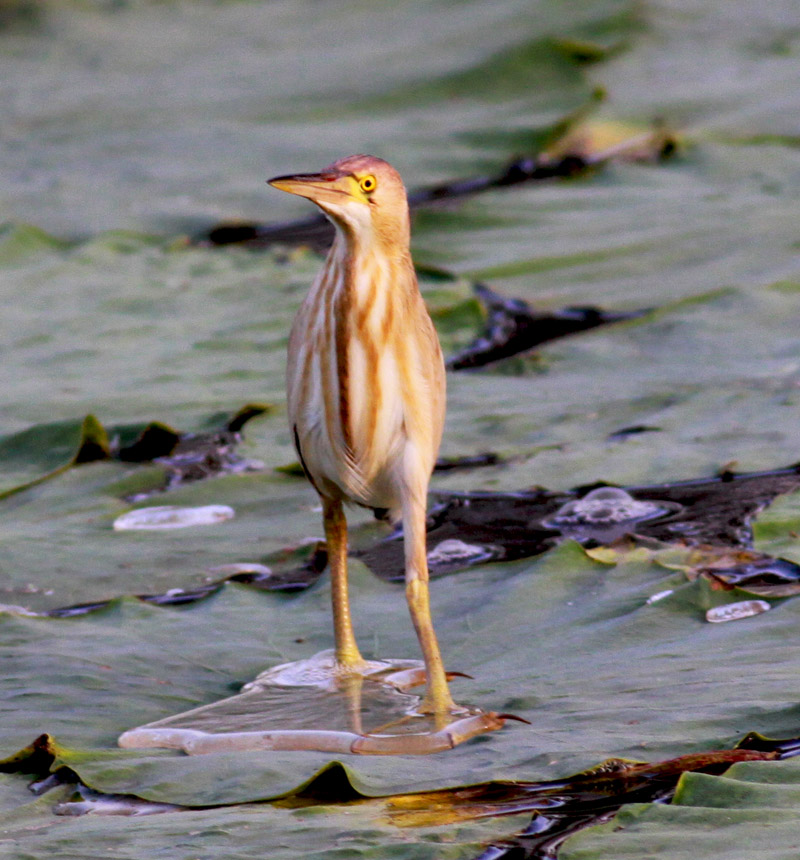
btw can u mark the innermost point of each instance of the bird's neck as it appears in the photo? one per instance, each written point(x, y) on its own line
point(366, 272)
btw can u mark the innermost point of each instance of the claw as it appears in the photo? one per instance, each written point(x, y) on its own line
point(513, 717)
point(406, 679)
point(422, 744)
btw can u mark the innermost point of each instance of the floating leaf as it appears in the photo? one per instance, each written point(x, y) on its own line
point(193, 455)
point(92, 445)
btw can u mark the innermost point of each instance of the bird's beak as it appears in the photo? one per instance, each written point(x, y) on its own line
point(329, 185)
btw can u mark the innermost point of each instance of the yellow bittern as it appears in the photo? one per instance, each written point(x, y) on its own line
point(366, 387)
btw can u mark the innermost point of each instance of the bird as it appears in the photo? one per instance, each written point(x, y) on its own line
point(366, 389)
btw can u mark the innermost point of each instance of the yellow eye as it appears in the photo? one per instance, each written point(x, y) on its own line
point(368, 184)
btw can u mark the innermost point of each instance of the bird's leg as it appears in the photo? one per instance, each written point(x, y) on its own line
point(437, 696)
point(351, 686)
point(347, 653)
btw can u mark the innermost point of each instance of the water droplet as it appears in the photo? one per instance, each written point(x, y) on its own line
point(13, 609)
point(454, 551)
point(172, 517)
point(89, 801)
point(605, 515)
point(239, 567)
point(735, 611)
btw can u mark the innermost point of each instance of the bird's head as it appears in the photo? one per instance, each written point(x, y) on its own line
point(362, 194)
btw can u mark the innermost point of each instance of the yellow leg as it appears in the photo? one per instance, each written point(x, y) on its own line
point(437, 697)
point(350, 685)
point(347, 653)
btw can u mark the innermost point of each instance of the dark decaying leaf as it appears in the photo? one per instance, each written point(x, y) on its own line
point(189, 457)
point(716, 511)
point(156, 440)
point(293, 578)
point(470, 461)
point(514, 327)
point(595, 796)
point(759, 574)
point(725, 567)
point(626, 432)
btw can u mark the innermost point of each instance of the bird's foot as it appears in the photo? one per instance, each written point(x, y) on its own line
point(404, 737)
point(360, 668)
point(447, 708)
point(326, 670)
point(407, 679)
point(439, 702)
